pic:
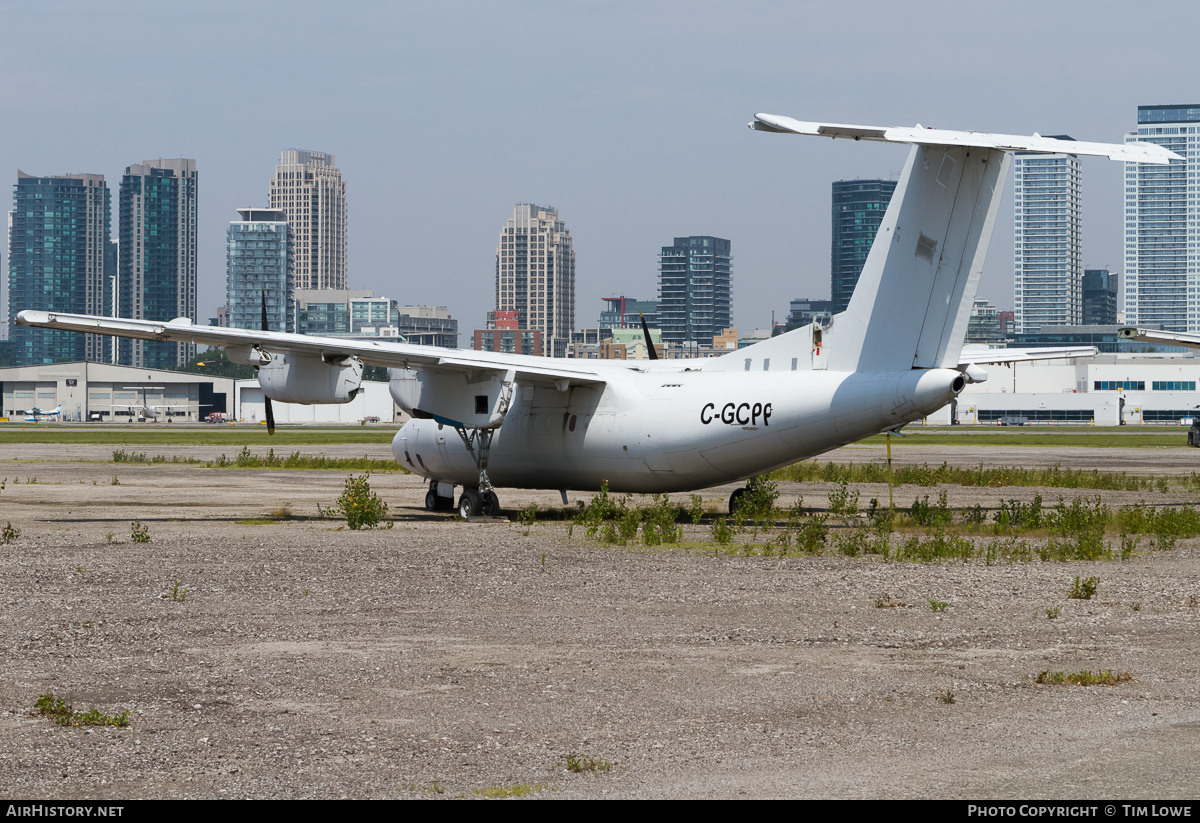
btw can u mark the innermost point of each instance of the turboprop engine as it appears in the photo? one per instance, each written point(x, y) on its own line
point(295, 378)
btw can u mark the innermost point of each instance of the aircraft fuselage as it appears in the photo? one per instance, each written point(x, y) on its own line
point(664, 431)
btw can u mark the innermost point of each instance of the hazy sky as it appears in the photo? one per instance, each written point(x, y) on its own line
point(630, 118)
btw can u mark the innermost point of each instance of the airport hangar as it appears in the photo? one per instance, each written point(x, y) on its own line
point(111, 393)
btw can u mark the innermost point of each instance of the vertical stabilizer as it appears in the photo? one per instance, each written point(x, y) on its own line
point(913, 298)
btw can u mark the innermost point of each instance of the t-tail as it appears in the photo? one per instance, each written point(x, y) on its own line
point(913, 299)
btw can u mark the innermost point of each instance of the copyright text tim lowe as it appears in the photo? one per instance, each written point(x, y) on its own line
point(1047, 810)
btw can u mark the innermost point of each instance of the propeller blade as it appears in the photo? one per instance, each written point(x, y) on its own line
point(266, 400)
point(649, 342)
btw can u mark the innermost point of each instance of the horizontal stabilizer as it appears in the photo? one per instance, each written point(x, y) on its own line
point(1169, 338)
point(982, 356)
point(1138, 152)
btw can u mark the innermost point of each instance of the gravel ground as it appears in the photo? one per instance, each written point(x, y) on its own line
point(442, 658)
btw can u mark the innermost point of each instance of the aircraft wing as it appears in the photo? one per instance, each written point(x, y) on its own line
point(372, 352)
point(999, 356)
point(1137, 152)
point(1168, 338)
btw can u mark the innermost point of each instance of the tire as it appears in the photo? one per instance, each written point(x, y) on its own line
point(469, 504)
point(432, 503)
point(490, 504)
point(735, 500)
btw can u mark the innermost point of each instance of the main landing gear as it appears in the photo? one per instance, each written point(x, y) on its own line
point(736, 499)
point(473, 502)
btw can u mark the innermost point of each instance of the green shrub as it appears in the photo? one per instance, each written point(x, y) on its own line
point(362, 508)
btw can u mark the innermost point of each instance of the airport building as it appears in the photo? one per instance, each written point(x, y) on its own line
point(1047, 242)
point(535, 275)
point(157, 258)
point(1162, 223)
point(695, 290)
point(1107, 390)
point(58, 255)
point(858, 209)
point(259, 271)
point(309, 188)
point(106, 393)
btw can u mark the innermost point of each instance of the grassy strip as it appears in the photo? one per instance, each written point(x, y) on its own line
point(923, 475)
point(1082, 437)
point(183, 436)
point(245, 459)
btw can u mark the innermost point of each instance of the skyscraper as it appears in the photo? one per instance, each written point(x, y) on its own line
point(157, 256)
point(1047, 243)
point(309, 188)
point(1162, 223)
point(57, 243)
point(258, 268)
point(858, 209)
point(535, 275)
point(1099, 297)
point(695, 290)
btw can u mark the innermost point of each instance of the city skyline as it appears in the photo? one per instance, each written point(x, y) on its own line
point(433, 156)
point(308, 187)
point(535, 274)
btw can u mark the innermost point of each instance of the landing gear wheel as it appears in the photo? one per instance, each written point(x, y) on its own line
point(736, 500)
point(432, 503)
point(491, 504)
point(469, 505)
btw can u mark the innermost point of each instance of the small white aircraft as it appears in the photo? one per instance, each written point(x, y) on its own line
point(483, 420)
point(36, 415)
point(146, 411)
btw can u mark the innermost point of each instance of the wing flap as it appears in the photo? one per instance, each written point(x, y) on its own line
point(971, 356)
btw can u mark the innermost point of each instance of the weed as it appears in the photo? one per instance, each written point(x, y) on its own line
point(528, 515)
point(109, 537)
point(722, 532)
point(1083, 678)
point(1162, 485)
point(139, 533)
point(580, 764)
point(283, 512)
point(176, 595)
point(938, 605)
point(1052, 613)
point(886, 602)
point(759, 500)
point(946, 696)
point(936, 515)
point(362, 508)
point(659, 522)
point(9, 533)
point(843, 501)
point(696, 509)
point(924, 475)
point(1137, 607)
point(519, 790)
point(1083, 590)
point(115, 481)
point(58, 710)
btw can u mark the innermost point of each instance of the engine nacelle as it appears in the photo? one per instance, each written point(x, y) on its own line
point(478, 399)
point(297, 378)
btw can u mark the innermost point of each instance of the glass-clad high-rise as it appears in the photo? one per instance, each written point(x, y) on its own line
point(858, 209)
point(57, 243)
point(1162, 223)
point(157, 256)
point(1047, 241)
point(695, 290)
point(259, 270)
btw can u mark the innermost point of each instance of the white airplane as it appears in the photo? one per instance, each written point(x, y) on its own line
point(483, 420)
point(147, 412)
point(36, 415)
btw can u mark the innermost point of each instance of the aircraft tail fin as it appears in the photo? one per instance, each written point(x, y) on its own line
point(913, 299)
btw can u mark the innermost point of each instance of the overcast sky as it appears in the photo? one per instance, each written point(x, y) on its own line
point(630, 118)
